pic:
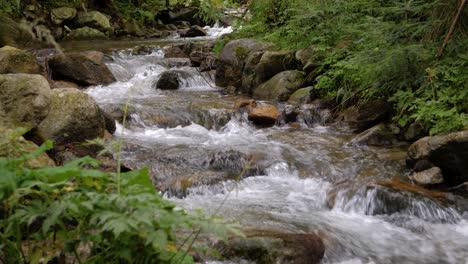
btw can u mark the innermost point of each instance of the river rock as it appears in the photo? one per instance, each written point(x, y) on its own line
point(94, 19)
point(13, 145)
point(83, 68)
point(182, 24)
point(264, 115)
point(62, 14)
point(448, 152)
point(12, 33)
point(25, 97)
point(362, 117)
point(231, 61)
point(85, 33)
point(280, 87)
point(74, 117)
point(248, 73)
point(415, 131)
point(193, 31)
point(63, 84)
point(268, 247)
point(13, 60)
point(272, 63)
point(301, 96)
point(305, 55)
point(428, 177)
point(169, 80)
point(248, 104)
point(379, 135)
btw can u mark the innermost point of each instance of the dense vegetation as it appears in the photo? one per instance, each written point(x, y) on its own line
point(369, 49)
point(76, 212)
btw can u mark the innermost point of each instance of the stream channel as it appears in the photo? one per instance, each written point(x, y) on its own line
point(306, 178)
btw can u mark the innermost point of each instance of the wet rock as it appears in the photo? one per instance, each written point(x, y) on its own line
point(13, 145)
point(428, 177)
point(109, 122)
point(290, 114)
point(301, 96)
point(169, 80)
point(62, 14)
point(362, 117)
point(25, 97)
point(13, 60)
point(174, 52)
point(85, 33)
point(248, 73)
point(199, 56)
point(264, 115)
point(231, 61)
point(94, 19)
point(193, 31)
point(448, 152)
point(118, 112)
point(12, 33)
point(280, 87)
point(84, 68)
point(379, 135)
point(74, 116)
point(268, 247)
point(415, 131)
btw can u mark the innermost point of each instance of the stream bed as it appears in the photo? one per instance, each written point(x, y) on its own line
point(306, 178)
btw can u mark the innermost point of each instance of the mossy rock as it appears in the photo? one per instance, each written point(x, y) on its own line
point(13, 60)
point(25, 97)
point(74, 117)
point(280, 87)
point(94, 19)
point(301, 96)
point(13, 144)
point(85, 33)
point(62, 14)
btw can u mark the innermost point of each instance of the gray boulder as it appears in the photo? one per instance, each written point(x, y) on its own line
point(170, 80)
point(74, 116)
point(231, 61)
point(25, 98)
point(280, 87)
point(428, 177)
point(301, 96)
point(83, 68)
point(448, 152)
point(13, 60)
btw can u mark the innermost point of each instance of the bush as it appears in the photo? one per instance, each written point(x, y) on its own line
point(377, 49)
point(77, 212)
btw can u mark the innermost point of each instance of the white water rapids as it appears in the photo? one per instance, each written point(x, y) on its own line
point(366, 223)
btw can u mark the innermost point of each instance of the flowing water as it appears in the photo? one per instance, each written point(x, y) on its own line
point(302, 178)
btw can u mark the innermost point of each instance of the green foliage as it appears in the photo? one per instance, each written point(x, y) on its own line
point(74, 211)
point(11, 7)
point(367, 49)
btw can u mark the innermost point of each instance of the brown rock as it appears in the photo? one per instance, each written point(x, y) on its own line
point(174, 52)
point(13, 60)
point(428, 177)
point(264, 115)
point(249, 104)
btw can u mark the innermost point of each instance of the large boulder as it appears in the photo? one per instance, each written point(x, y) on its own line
point(272, 63)
point(231, 61)
point(13, 60)
point(85, 33)
point(13, 145)
point(84, 68)
point(280, 87)
point(74, 116)
point(364, 116)
point(62, 14)
point(25, 97)
point(12, 33)
point(264, 115)
point(448, 152)
point(131, 27)
point(94, 19)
